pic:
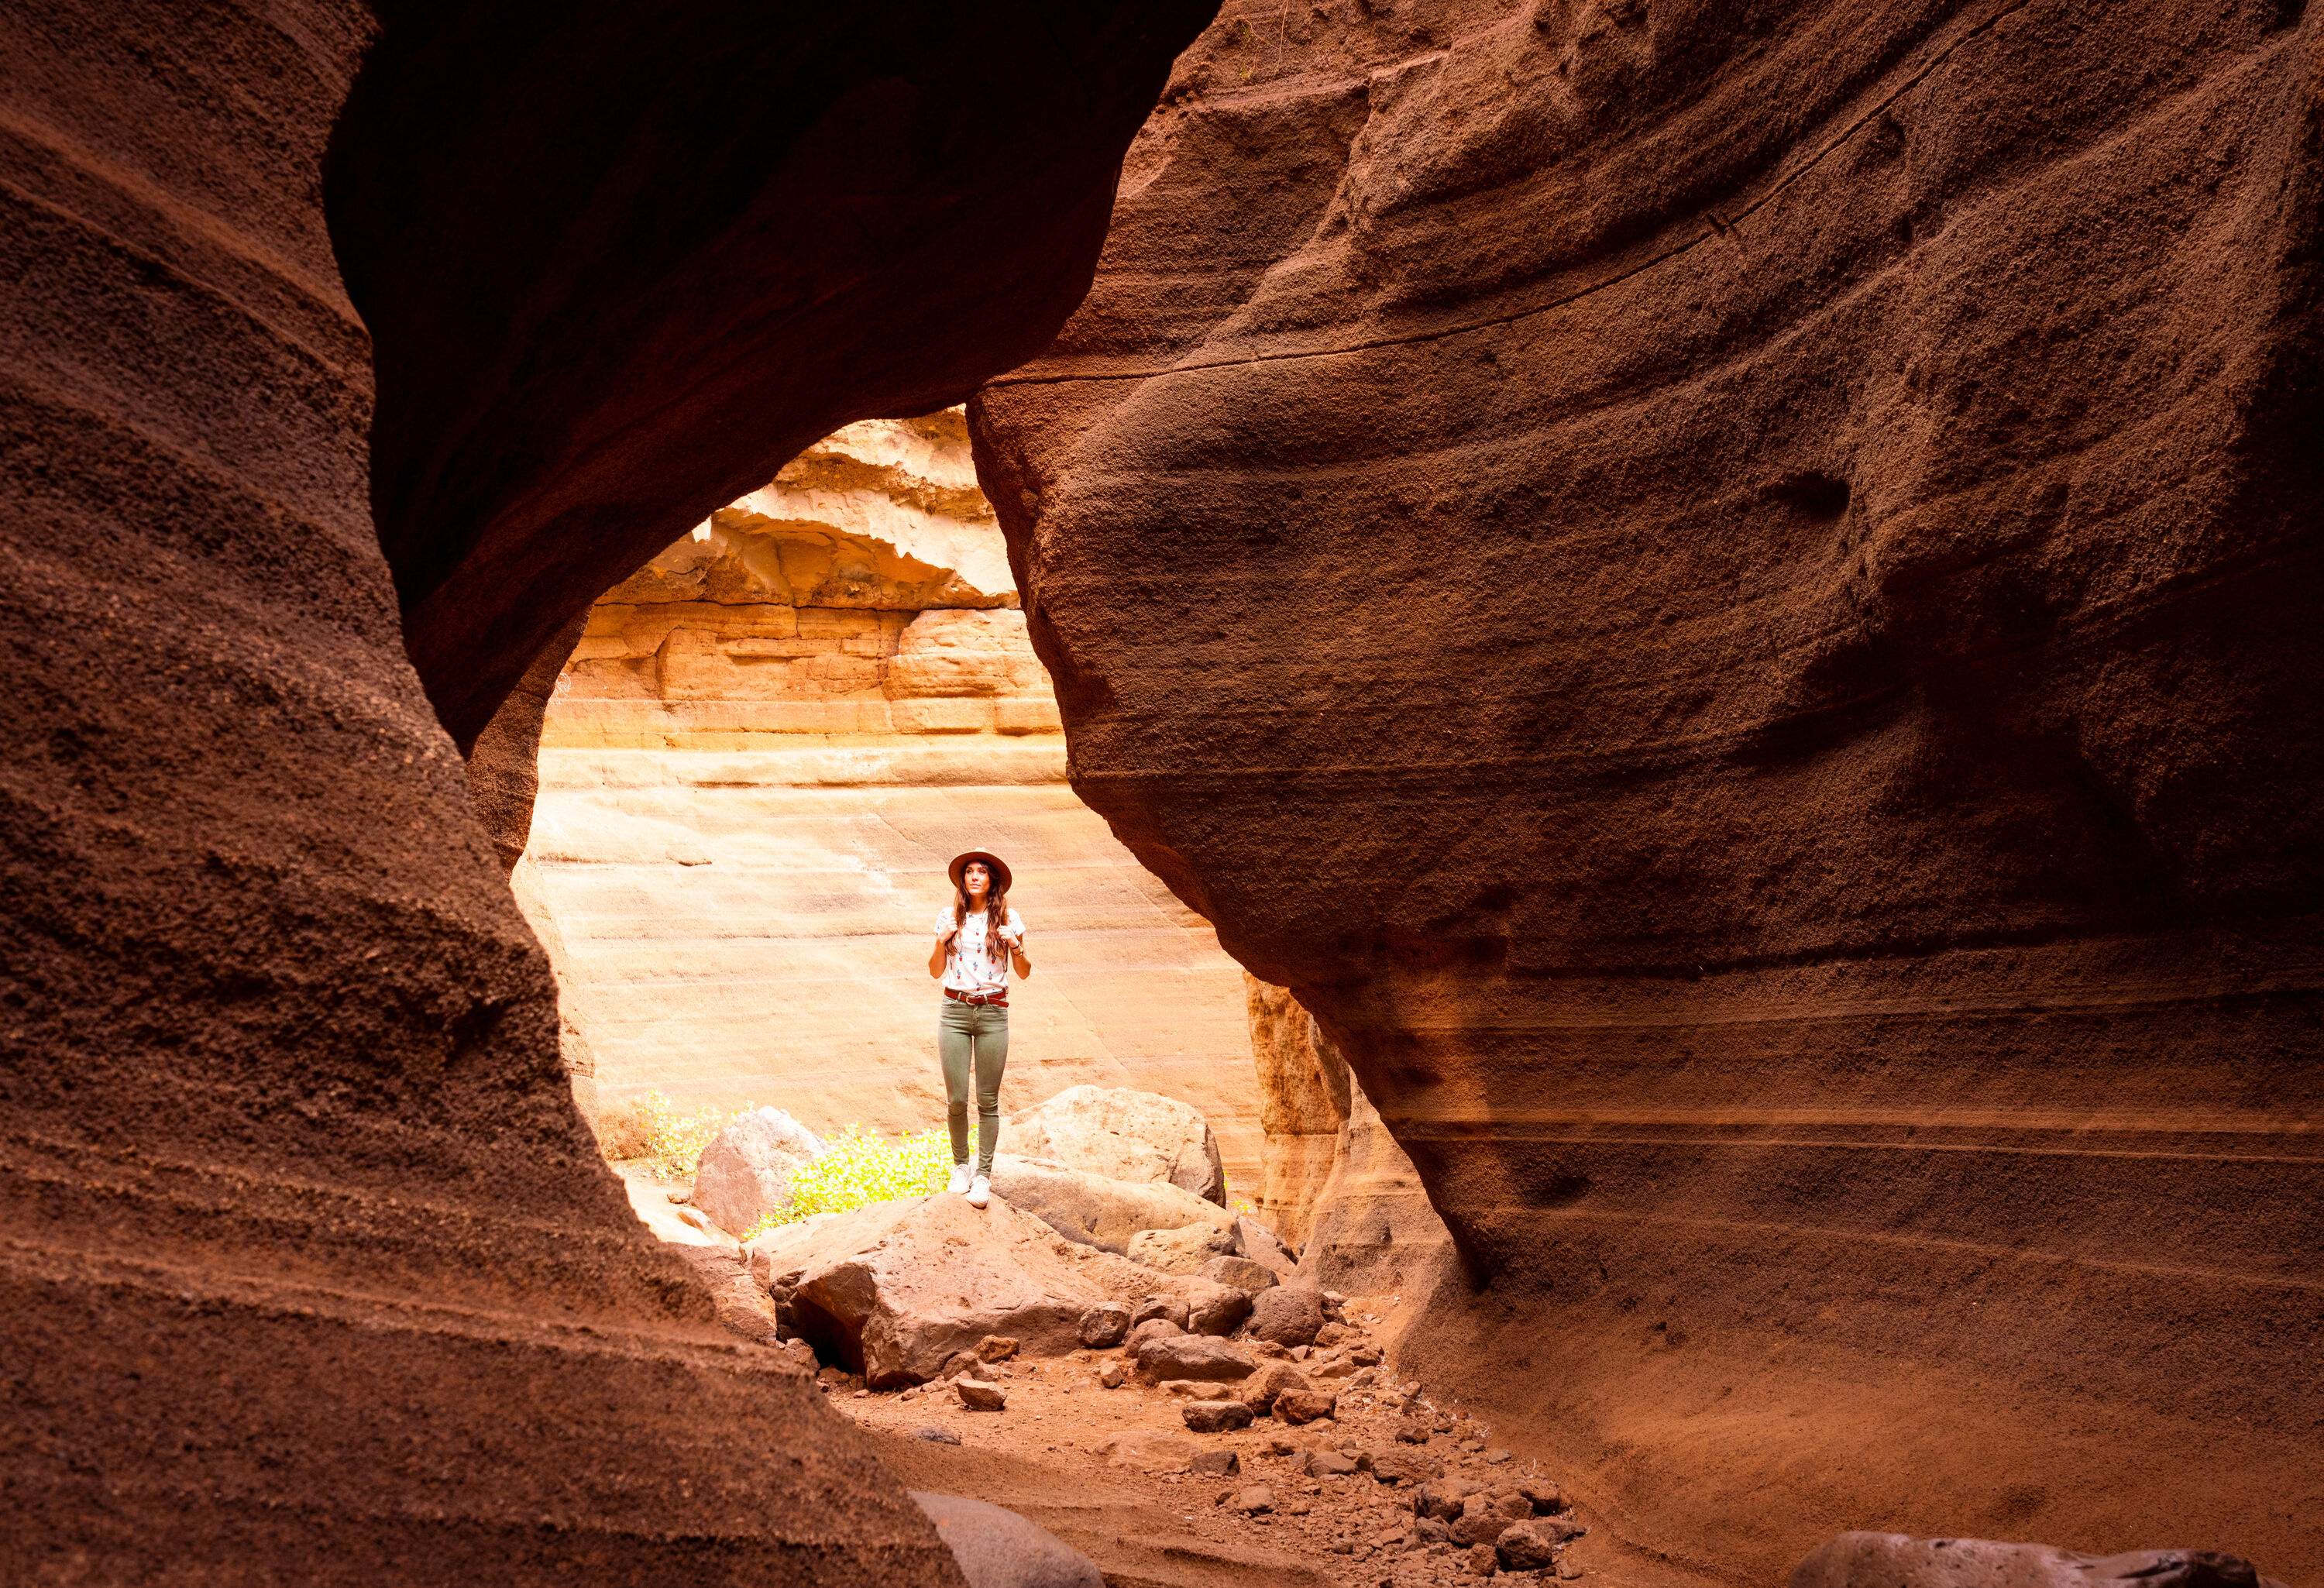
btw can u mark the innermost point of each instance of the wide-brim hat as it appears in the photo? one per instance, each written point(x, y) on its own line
point(998, 866)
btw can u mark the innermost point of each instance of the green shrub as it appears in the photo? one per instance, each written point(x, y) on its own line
point(672, 1143)
point(859, 1168)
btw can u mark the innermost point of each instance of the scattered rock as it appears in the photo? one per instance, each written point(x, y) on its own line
point(1433, 1530)
point(883, 1287)
point(1325, 1464)
point(1296, 1407)
point(1494, 1458)
point(1215, 1416)
point(1481, 1561)
point(1124, 1135)
point(1529, 1546)
point(1256, 1500)
point(935, 1435)
point(1244, 1275)
point(1192, 1356)
point(1151, 1329)
point(1485, 1513)
point(1148, 1451)
point(1219, 1463)
point(1897, 1560)
point(1401, 1464)
point(1256, 1242)
point(998, 1548)
point(1112, 1376)
point(1262, 1388)
point(981, 1394)
point(996, 1348)
point(1286, 1315)
point(1191, 1388)
point(1105, 1324)
point(745, 1172)
point(1442, 1498)
point(1169, 1309)
point(832, 1378)
point(1333, 1333)
point(1411, 1431)
point(1364, 1356)
point(1213, 1308)
point(1545, 1498)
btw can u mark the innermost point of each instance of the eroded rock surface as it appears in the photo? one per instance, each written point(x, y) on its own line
point(1753, 663)
point(311, 1270)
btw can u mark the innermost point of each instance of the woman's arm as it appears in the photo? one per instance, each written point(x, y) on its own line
point(1013, 934)
point(937, 954)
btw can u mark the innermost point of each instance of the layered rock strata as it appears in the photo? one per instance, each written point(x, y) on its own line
point(765, 747)
point(1728, 594)
point(311, 1271)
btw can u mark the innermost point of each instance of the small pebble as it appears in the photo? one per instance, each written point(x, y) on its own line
point(935, 1435)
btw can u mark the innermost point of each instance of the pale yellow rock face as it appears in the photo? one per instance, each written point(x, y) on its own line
point(765, 749)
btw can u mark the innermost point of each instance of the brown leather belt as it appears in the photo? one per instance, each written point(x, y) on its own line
point(998, 1000)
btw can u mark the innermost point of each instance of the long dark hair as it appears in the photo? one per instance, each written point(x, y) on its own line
point(996, 905)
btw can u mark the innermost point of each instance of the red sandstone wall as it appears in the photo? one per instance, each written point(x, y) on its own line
point(1730, 594)
point(310, 1271)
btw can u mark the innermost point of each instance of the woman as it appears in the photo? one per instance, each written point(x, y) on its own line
point(978, 939)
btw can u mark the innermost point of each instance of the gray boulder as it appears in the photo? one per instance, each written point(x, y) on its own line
point(745, 1172)
point(1897, 1560)
point(1124, 1135)
point(998, 1548)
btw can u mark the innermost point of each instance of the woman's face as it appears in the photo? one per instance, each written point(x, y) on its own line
point(976, 877)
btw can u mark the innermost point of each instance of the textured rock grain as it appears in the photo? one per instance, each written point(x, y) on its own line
point(310, 1269)
point(1793, 789)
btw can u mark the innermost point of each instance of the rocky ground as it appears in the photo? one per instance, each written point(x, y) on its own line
point(1372, 1493)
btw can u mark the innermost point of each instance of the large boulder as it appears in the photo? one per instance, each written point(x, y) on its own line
point(1897, 1560)
point(998, 1548)
point(745, 1172)
point(895, 1289)
point(1124, 1135)
point(1192, 1356)
point(1096, 1208)
point(1287, 1315)
point(1182, 1250)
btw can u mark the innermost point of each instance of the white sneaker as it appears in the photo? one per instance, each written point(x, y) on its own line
point(959, 1186)
point(980, 1192)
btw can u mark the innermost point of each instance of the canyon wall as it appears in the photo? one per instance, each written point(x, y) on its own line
point(767, 746)
point(1728, 593)
point(311, 1271)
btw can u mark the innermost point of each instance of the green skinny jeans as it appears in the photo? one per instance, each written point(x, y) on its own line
point(973, 1034)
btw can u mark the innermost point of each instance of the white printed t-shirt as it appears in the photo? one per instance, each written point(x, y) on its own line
point(971, 964)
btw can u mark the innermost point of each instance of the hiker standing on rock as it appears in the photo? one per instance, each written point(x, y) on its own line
point(978, 939)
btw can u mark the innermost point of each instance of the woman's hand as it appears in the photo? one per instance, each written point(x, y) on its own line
point(945, 935)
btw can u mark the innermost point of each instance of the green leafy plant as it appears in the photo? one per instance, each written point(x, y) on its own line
point(858, 1168)
point(672, 1143)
